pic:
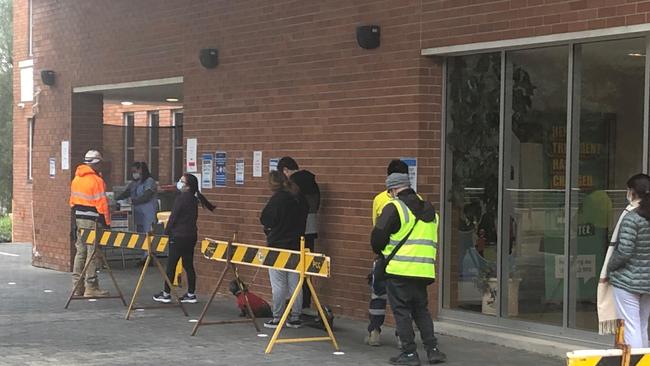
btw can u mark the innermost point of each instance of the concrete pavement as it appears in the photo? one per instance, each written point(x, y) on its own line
point(36, 330)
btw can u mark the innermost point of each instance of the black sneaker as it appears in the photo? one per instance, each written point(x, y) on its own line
point(189, 298)
point(161, 297)
point(294, 324)
point(273, 323)
point(435, 356)
point(406, 358)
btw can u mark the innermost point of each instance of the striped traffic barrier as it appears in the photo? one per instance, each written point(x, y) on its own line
point(303, 262)
point(273, 258)
point(93, 240)
point(136, 241)
point(609, 357)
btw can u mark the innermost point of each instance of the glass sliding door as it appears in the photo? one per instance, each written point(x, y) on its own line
point(533, 183)
point(539, 144)
point(471, 187)
point(608, 102)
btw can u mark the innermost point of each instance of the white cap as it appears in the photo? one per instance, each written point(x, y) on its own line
point(93, 157)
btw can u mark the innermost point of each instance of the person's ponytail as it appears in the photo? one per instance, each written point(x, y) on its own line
point(204, 202)
point(193, 183)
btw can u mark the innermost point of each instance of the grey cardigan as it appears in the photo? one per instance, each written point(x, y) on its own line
point(629, 265)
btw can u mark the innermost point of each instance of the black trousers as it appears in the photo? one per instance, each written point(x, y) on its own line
point(182, 247)
point(409, 301)
point(310, 242)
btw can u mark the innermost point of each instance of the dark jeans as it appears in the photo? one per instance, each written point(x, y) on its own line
point(377, 306)
point(310, 242)
point(182, 247)
point(409, 301)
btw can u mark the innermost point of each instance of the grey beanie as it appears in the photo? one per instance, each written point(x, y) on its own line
point(398, 180)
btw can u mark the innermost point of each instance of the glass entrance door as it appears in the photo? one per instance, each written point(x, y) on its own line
point(533, 225)
point(607, 125)
point(539, 144)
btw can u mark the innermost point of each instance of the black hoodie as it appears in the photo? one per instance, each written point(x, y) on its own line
point(389, 223)
point(284, 219)
point(306, 181)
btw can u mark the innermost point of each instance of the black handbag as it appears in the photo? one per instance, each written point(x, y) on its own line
point(382, 262)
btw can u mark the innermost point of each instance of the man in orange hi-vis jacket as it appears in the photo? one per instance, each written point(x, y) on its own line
point(90, 206)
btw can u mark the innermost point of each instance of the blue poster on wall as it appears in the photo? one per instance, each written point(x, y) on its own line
point(220, 169)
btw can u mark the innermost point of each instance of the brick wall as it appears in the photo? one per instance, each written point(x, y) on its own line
point(292, 81)
point(22, 188)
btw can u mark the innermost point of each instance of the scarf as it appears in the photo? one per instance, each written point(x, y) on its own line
point(607, 315)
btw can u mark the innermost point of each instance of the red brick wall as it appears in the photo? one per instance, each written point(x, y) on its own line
point(22, 188)
point(292, 81)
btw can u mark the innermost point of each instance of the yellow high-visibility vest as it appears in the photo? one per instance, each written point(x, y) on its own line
point(417, 257)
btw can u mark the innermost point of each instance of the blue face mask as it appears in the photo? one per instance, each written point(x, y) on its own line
point(180, 185)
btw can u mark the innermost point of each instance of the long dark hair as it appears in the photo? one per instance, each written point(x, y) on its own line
point(144, 169)
point(278, 181)
point(193, 184)
point(640, 185)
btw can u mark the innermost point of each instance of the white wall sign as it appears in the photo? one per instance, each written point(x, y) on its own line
point(191, 156)
point(52, 167)
point(273, 164)
point(65, 155)
point(206, 170)
point(257, 164)
point(239, 171)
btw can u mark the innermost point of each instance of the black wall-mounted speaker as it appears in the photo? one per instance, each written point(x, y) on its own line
point(368, 36)
point(209, 58)
point(48, 77)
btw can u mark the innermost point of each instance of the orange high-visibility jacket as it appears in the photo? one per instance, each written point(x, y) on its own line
point(88, 195)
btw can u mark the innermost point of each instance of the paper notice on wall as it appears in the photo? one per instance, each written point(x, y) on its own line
point(257, 164)
point(65, 155)
point(206, 170)
point(220, 159)
point(413, 171)
point(239, 171)
point(273, 164)
point(191, 165)
point(52, 167)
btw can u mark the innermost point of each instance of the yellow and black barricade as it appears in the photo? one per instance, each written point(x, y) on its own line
point(97, 253)
point(609, 357)
point(303, 262)
point(228, 249)
point(622, 355)
point(137, 241)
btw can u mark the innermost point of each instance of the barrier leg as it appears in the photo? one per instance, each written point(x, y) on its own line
point(207, 305)
point(314, 297)
point(171, 286)
point(82, 277)
point(110, 273)
point(287, 311)
point(138, 285)
point(250, 314)
point(619, 342)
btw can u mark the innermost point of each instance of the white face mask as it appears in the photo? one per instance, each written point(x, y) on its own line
point(136, 176)
point(629, 197)
point(180, 185)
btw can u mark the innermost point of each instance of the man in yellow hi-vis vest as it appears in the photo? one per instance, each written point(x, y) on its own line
point(406, 234)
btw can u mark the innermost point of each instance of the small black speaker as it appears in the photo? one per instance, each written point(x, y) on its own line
point(368, 36)
point(209, 58)
point(48, 77)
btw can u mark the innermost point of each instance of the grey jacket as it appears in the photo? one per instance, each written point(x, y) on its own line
point(629, 265)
